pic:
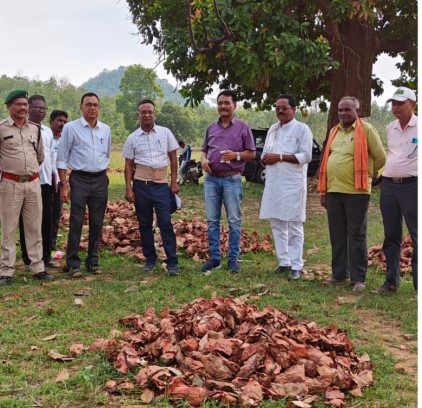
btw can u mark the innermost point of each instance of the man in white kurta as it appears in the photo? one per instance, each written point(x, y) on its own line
point(286, 154)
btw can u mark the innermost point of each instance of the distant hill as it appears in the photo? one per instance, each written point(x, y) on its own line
point(107, 83)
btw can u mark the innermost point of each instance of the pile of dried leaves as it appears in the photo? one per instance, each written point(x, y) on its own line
point(226, 350)
point(121, 234)
point(376, 256)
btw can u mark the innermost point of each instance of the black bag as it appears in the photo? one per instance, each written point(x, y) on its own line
point(173, 206)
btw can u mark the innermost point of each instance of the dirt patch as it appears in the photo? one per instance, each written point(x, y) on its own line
point(389, 335)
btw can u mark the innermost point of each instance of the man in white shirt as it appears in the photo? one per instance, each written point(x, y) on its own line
point(36, 113)
point(151, 148)
point(399, 187)
point(286, 154)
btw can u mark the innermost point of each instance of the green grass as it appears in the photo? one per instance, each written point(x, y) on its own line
point(30, 312)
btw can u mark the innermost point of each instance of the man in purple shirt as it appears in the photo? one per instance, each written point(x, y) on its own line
point(227, 145)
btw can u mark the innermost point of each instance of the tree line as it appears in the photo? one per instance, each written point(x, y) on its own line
point(118, 109)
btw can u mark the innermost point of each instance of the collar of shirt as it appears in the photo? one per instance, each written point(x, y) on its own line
point(85, 123)
point(412, 122)
point(232, 121)
point(341, 127)
point(11, 122)
point(143, 132)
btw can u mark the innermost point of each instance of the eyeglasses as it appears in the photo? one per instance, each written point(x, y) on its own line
point(20, 105)
point(145, 113)
point(39, 108)
point(91, 105)
point(282, 108)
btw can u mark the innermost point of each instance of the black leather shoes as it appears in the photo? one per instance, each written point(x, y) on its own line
point(43, 276)
point(5, 280)
point(294, 274)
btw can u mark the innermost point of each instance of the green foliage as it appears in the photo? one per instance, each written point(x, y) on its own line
point(259, 48)
point(59, 93)
point(136, 84)
point(179, 119)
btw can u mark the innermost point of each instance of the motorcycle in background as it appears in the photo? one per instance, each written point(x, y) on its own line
point(192, 172)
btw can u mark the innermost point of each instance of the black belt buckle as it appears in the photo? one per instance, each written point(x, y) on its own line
point(397, 180)
point(25, 178)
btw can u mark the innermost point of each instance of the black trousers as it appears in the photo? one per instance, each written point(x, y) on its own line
point(47, 200)
point(398, 201)
point(150, 198)
point(347, 223)
point(86, 190)
point(55, 217)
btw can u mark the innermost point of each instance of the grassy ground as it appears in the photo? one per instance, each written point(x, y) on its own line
point(39, 318)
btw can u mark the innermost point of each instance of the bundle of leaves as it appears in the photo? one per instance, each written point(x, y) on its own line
point(376, 256)
point(224, 349)
point(121, 234)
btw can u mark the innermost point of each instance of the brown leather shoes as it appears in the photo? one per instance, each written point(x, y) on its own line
point(384, 289)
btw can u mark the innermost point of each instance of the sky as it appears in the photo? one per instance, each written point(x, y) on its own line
point(77, 39)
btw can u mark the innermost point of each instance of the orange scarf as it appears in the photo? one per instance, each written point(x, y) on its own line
point(360, 159)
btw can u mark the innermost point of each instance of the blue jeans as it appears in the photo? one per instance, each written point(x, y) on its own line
point(150, 197)
point(227, 191)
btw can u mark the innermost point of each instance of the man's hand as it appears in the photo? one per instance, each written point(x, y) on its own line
point(205, 166)
point(270, 158)
point(64, 193)
point(174, 187)
point(323, 200)
point(130, 196)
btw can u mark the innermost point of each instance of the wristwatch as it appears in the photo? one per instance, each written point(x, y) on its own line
point(238, 156)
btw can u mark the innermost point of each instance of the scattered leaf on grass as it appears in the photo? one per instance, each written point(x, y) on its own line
point(55, 355)
point(83, 292)
point(33, 348)
point(10, 296)
point(62, 376)
point(79, 302)
point(347, 300)
point(148, 395)
point(31, 318)
point(49, 338)
point(132, 289)
point(75, 349)
point(313, 250)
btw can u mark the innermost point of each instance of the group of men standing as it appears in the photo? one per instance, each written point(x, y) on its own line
point(352, 155)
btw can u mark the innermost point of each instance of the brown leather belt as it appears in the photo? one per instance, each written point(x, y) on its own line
point(402, 180)
point(20, 179)
point(221, 174)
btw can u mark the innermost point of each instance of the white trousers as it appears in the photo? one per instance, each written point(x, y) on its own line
point(288, 240)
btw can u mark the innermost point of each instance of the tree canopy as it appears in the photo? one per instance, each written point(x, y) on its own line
point(260, 48)
point(136, 84)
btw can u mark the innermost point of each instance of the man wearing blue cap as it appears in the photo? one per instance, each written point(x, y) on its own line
point(399, 187)
point(21, 153)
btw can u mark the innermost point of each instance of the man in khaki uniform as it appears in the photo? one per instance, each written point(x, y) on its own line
point(21, 153)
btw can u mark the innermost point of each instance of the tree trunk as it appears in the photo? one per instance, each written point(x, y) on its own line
point(354, 44)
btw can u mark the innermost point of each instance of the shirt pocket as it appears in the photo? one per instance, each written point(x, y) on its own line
point(290, 145)
point(410, 149)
